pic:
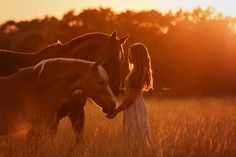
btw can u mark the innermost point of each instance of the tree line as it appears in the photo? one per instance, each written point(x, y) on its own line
point(193, 53)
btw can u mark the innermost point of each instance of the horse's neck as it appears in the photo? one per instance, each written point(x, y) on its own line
point(18, 54)
point(25, 77)
point(61, 77)
point(88, 49)
point(18, 59)
point(41, 55)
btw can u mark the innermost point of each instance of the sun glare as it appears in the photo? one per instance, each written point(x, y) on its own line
point(225, 7)
point(12, 9)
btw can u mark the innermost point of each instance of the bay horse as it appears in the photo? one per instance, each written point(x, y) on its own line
point(36, 94)
point(90, 46)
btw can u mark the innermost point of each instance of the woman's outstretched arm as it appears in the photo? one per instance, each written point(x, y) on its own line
point(128, 101)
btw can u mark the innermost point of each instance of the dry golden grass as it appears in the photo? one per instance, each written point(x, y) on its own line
point(180, 128)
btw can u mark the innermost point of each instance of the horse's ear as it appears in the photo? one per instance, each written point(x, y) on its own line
point(123, 40)
point(113, 35)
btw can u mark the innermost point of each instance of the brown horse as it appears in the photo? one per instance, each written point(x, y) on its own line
point(91, 46)
point(36, 94)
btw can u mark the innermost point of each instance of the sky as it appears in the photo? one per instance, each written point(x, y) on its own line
point(28, 9)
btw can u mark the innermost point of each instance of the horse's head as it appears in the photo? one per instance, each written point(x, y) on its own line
point(96, 47)
point(113, 53)
point(94, 85)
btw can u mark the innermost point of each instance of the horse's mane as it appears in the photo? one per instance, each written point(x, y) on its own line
point(75, 41)
point(84, 37)
point(58, 44)
point(40, 66)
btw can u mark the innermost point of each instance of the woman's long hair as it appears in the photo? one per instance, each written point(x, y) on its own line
point(141, 75)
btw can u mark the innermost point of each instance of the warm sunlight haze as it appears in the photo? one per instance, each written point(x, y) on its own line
point(118, 78)
point(27, 9)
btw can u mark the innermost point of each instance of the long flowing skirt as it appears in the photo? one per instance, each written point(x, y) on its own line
point(136, 126)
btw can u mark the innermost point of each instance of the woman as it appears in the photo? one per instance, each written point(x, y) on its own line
point(138, 80)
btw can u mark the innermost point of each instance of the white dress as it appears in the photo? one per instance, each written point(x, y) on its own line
point(136, 125)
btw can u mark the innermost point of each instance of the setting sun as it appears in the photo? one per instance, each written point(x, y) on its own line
point(27, 9)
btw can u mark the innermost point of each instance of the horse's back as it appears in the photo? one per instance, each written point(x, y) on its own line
point(16, 91)
point(16, 80)
point(10, 61)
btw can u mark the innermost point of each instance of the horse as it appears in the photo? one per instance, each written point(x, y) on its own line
point(90, 46)
point(36, 94)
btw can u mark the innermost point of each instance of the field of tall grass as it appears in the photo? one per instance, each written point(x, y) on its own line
point(179, 127)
